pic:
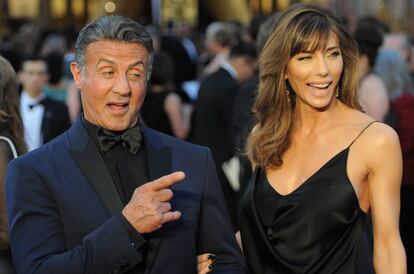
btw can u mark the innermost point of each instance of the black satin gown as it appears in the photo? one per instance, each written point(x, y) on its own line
point(317, 228)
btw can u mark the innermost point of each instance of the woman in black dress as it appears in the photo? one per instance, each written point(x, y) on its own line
point(163, 108)
point(320, 164)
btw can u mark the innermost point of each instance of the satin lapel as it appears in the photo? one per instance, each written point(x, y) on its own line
point(88, 158)
point(159, 163)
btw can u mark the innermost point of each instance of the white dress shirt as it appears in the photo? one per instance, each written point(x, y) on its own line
point(32, 115)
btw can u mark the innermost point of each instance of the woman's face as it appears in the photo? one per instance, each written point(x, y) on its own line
point(314, 76)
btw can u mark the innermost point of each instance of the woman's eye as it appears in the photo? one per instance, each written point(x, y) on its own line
point(334, 54)
point(304, 58)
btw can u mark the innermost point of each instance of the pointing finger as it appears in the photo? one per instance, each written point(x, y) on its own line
point(167, 180)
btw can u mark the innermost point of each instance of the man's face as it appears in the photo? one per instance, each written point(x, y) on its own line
point(33, 76)
point(112, 83)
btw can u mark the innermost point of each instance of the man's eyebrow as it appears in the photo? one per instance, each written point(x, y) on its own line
point(136, 64)
point(103, 59)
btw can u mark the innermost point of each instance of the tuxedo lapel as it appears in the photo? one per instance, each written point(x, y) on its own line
point(88, 158)
point(46, 120)
point(159, 156)
point(159, 163)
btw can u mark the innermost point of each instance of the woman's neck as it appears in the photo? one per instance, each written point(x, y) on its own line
point(308, 120)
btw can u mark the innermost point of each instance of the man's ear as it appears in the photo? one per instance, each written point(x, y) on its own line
point(77, 74)
point(20, 76)
point(47, 77)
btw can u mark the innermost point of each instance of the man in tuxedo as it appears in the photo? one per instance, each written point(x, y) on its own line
point(43, 118)
point(110, 195)
point(214, 113)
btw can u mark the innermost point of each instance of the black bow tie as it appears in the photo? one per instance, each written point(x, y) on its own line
point(130, 139)
point(41, 102)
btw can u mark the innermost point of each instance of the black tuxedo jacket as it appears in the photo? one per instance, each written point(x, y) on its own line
point(63, 207)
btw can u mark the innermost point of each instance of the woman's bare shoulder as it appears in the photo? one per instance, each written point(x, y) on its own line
point(374, 133)
point(378, 136)
point(381, 133)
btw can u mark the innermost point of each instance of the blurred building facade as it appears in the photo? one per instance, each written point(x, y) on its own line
point(397, 13)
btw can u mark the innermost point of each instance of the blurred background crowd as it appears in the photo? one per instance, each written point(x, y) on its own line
point(205, 73)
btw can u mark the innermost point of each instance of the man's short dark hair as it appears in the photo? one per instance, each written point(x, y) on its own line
point(31, 58)
point(243, 50)
point(113, 28)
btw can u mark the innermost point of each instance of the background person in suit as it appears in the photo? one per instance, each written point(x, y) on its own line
point(43, 118)
point(214, 113)
point(103, 197)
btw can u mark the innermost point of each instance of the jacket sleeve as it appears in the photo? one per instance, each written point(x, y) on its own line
point(216, 233)
point(37, 236)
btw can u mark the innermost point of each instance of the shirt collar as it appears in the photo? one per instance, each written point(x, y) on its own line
point(226, 66)
point(26, 100)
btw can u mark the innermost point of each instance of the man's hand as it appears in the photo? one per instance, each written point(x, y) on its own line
point(149, 207)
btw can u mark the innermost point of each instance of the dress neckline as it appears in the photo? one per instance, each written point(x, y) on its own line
point(300, 186)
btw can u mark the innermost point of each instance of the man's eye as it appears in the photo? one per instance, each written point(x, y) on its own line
point(135, 76)
point(108, 72)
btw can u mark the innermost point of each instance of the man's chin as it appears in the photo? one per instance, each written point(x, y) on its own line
point(119, 125)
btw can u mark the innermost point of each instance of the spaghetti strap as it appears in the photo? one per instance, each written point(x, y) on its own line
point(362, 131)
point(11, 145)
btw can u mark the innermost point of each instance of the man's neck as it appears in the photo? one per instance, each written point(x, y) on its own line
point(33, 94)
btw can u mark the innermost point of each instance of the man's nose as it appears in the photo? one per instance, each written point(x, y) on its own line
point(122, 85)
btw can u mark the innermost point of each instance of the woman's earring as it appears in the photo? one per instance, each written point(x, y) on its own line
point(288, 95)
point(337, 92)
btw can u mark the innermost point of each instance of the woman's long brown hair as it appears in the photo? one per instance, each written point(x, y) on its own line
point(301, 27)
point(11, 124)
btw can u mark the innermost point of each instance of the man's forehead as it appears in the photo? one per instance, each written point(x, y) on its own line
point(114, 51)
point(34, 65)
point(115, 44)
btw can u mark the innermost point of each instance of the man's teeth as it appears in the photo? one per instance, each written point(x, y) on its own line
point(319, 85)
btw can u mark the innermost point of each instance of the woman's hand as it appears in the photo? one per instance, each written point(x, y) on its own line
point(205, 263)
